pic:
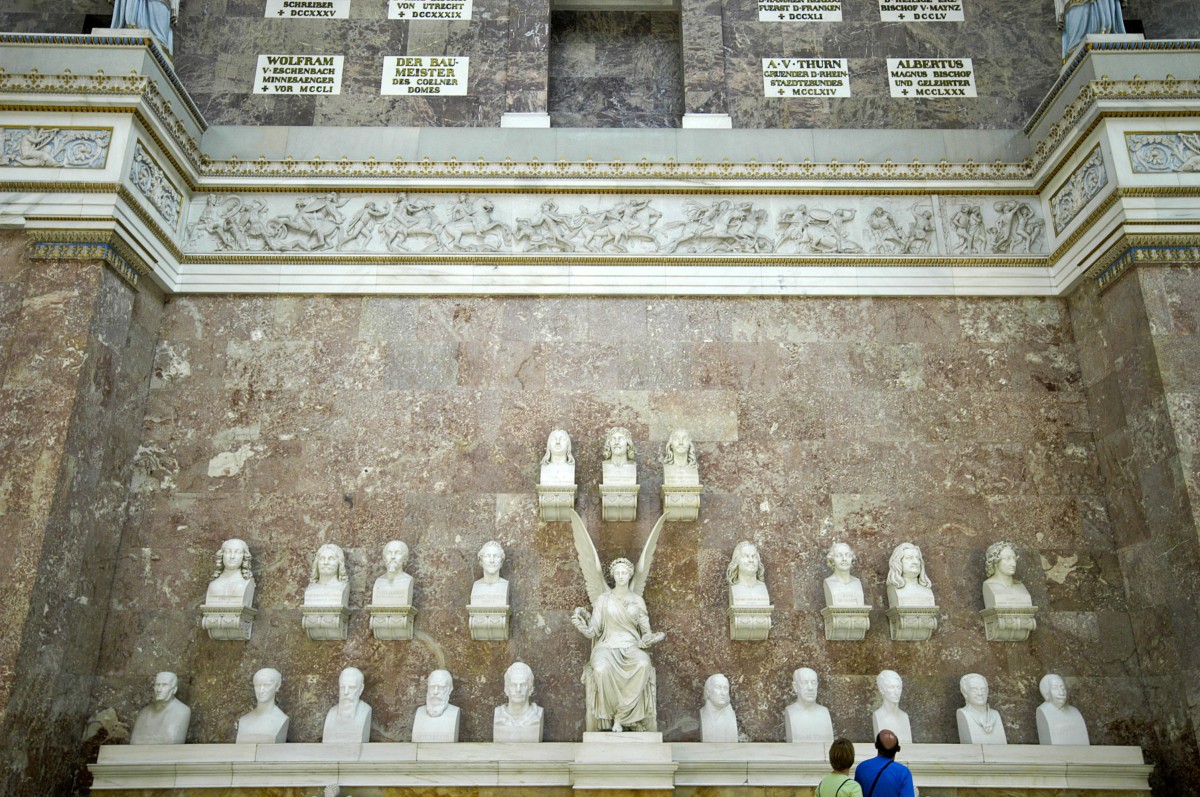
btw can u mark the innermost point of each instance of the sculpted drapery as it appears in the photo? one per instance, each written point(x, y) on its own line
point(1078, 18)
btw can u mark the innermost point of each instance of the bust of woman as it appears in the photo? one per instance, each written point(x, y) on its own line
point(394, 587)
point(491, 590)
point(619, 467)
point(232, 582)
point(841, 588)
point(1001, 589)
point(745, 576)
point(558, 464)
point(329, 585)
point(679, 460)
point(908, 586)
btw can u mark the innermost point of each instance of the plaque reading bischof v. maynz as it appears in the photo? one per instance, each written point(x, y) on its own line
point(931, 77)
point(921, 10)
point(307, 9)
point(298, 74)
point(799, 11)
point(436, 75)
point(429, 9)
point(805, 77)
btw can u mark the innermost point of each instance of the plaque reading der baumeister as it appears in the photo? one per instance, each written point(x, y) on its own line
point(437, 75)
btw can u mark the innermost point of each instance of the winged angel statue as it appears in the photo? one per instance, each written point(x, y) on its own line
point(619, 678)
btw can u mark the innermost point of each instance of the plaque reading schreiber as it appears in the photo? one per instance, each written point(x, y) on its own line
point(298, 74)
point(931, 77)
point(437, 75)
point(922, 11)
point(805, 77)
point(308, 9)
point(429, 9)
point(796, 11)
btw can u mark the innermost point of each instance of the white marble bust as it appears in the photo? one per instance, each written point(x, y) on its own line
point(745, 577)
point(1001, 589)
point(907, 584)
point(807, 720)
point(232, 582)
point(520, 719)
point(349, 722)
point(558, 464)
point(889, 716)
point(491, 590)
point(437, 720)
point(165, 720)
point(978, 723)
point(841, 588)
point(394, 587)
point(679, 461)
point(329, 585)
point(718, 723)
point(1058, 722)
point(265, 724)
point(619, 467)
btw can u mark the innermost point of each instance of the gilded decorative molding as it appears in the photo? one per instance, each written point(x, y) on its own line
point(1163, 153)
point(1135, 250)
point(1084, 185)
point(155, 186)
point(55, 147)
point(90, 245)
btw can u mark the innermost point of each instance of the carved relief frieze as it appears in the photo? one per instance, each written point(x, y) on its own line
point(1163, 153)
point(55, 147)
point(154, 184)
point(1084, 185)
point(1006, 226)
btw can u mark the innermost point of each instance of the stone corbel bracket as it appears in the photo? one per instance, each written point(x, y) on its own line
point(912, 623)
point(749, 623)
point(848, 623)
point(325, 623)
point(619, 502)
point(389, 623)
point(681, 502)
point(488, 623)
point(1009, 624)
point(227, 624)
point(556, 501)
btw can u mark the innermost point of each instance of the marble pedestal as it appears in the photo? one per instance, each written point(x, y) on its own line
point(392, 622)
point(846, 622)
point(619, 502)
point(1009, 624)
point(749, 623)
point(912, 623)
point(681, 502)
point(556, 501)
point(517, 734)
point(488, 623)
point(325, 623)
point(227, 623)
point(626, 760)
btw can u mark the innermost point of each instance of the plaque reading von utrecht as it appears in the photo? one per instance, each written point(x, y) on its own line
point(794, 11)
point(805, 77)
point(931, 77)
point(926, 11)
point(307, 9)
point(429, 9)
point(436, 75)
point(298, 74)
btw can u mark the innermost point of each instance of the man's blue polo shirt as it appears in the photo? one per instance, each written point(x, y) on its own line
point(896, 781)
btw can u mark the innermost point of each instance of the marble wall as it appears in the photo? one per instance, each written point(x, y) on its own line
point(77, 346)
point(293, 421)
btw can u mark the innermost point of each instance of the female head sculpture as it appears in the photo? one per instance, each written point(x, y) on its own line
point(1000, 557)
point(558, 448)
point(618, 446)
point(680, 450)
point(617, 563)
point(234, 554)
point(743, 552)
point(327, 556)
point(906, 562)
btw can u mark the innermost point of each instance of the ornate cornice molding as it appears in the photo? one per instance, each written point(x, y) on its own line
point(1129, 251)
point(105, 245)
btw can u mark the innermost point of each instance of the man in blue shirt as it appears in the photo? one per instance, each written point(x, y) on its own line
point(881, 776)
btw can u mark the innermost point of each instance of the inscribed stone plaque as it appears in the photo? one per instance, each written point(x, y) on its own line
point(298, 74)
point(444, 75)
point(797, 11)
point(307, 9)
point(931, 77)
point(429, 9)
point(921, 11)
point(805, 77)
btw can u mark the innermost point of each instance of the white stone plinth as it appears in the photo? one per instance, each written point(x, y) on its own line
point(556, 501)
point(681, 502)
point(513, 119)
point(846, 622)
point(618, 502)
point(488, 623)
point(517, 734)
point(749, 623)
point(1010, 624)
point(392, 622)
point(626, 760)
point(325, 623)
point(912, 623)
point(226, 623)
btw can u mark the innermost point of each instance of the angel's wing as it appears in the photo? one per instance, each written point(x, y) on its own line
point(589, 560)
point(638, 585)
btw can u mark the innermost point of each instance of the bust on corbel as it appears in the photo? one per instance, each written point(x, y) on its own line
point(847, 615)
point(619, 487)
point(749, 603)
point(326, 610)
point(391, 608)
point(1008, 610)
point(681, 478)
point(557, 488)
point(228, 612)
point(488, 611)
point(912, 612)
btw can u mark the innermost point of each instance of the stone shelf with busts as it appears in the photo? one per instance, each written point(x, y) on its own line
point(489, 610)
point(681, 478)
point(227, 612)
point(556, 490)
point(326, 610)
point(619, 486)
point(912, 613)
point(391, 610)
point(1008, 611)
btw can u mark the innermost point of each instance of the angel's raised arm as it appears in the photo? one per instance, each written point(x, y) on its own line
point(638, 584)
point(589, 560)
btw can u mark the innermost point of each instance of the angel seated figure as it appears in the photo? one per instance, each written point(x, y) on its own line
point(619, 678)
